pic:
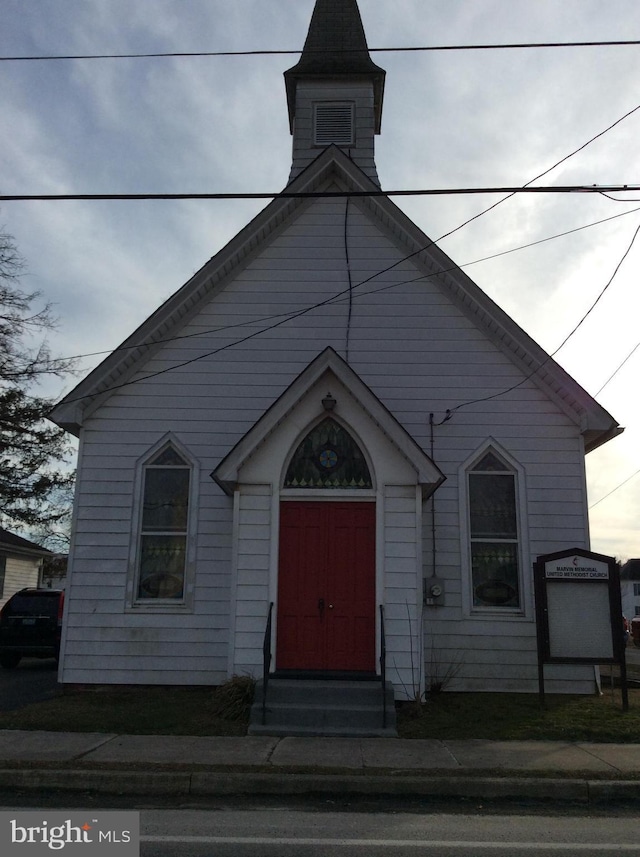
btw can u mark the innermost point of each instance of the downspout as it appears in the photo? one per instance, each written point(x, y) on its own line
point(432, 425)
point(433, 506)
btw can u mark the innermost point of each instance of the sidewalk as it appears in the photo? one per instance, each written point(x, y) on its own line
point(181, 766)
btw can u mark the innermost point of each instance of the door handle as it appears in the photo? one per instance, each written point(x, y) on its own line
point(321, 606)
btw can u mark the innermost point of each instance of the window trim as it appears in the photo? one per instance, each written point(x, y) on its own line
point(159, 605)
point(525, 610)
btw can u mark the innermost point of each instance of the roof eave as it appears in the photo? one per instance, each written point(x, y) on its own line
point(594, 438)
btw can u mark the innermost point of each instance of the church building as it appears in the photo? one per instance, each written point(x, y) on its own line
point(329, 448)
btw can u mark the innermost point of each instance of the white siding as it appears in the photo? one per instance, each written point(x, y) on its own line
point(630, 601)
point(418, 353)
point(104, 644)
point(19, 573)
point(402, 581)
point(252, 579)
point(361, 96)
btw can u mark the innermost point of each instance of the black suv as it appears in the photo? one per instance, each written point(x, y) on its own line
point(30, 625)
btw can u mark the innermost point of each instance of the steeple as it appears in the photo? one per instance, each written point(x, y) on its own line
point(335, 91)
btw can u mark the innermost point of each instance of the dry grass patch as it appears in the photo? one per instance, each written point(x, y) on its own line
point(514, 716)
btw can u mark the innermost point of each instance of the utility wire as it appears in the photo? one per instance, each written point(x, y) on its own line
point(614, 490)
point(337, 194)
point(340, 295)
point(527, 186)
point(597, 300)
point(331, 300)
point(410, 49)
point(451, 411)
point(613, 199)
point(386, 270)
point(350, 281)
point(611, 377)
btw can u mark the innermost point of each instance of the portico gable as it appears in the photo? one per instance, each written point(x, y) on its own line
point(329, 414)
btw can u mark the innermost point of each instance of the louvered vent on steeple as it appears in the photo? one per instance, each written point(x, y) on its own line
point(333, 123)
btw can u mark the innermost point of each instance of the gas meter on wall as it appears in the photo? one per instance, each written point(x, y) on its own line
point(432, 592)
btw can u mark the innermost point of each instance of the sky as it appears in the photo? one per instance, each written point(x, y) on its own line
point(452, 119)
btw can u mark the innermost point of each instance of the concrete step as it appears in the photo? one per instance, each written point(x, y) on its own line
point(324, 692)
point(330, 708)
point(279, 731)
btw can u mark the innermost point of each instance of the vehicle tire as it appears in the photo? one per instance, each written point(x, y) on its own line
point(9, 660)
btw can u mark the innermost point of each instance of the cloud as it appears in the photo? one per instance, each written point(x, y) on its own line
point(220, 124)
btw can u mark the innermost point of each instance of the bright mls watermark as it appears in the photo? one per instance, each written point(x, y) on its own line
point(85, 832)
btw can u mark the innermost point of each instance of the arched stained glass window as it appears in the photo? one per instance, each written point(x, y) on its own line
point(164, 526)
point(495, 566)
point(328, 457)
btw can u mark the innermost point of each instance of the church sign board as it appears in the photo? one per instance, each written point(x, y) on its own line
point(578, 611)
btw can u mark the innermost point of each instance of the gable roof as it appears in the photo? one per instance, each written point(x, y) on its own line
point(630, 570)
point(334, 167)
point(11, 543)
point(428, 474)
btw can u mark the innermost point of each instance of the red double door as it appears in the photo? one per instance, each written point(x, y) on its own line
point(326, 587)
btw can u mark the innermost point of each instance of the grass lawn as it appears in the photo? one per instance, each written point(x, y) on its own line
point(516, 716)
point(141, 711)
point(202, 711)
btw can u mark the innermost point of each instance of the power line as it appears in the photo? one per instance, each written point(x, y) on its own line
point(626, 360)
point(340, 295)
point(286, 317)
point(334, 299)
point(526, 188)
point(562, 344)
point(338, 194)
point(613, 199)
point(614, 490)
point(406, 49)
point(597, 300)
point(495, 205)
point(546, 172)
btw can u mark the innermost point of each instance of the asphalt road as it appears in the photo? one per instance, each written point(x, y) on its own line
point(284, 831)
point(33, 680)
point(333, 828)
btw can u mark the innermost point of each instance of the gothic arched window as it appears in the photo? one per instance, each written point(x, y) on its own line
point(493, 514)
point(328, 457)
point(164, 527)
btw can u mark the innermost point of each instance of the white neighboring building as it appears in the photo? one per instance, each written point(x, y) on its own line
point(20, 564)
point(630, 588)
point(331, 418)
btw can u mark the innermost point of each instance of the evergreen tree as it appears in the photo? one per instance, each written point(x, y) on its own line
point(35, 480)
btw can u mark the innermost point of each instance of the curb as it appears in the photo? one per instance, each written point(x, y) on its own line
point(209, 784)
point(423, 786)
